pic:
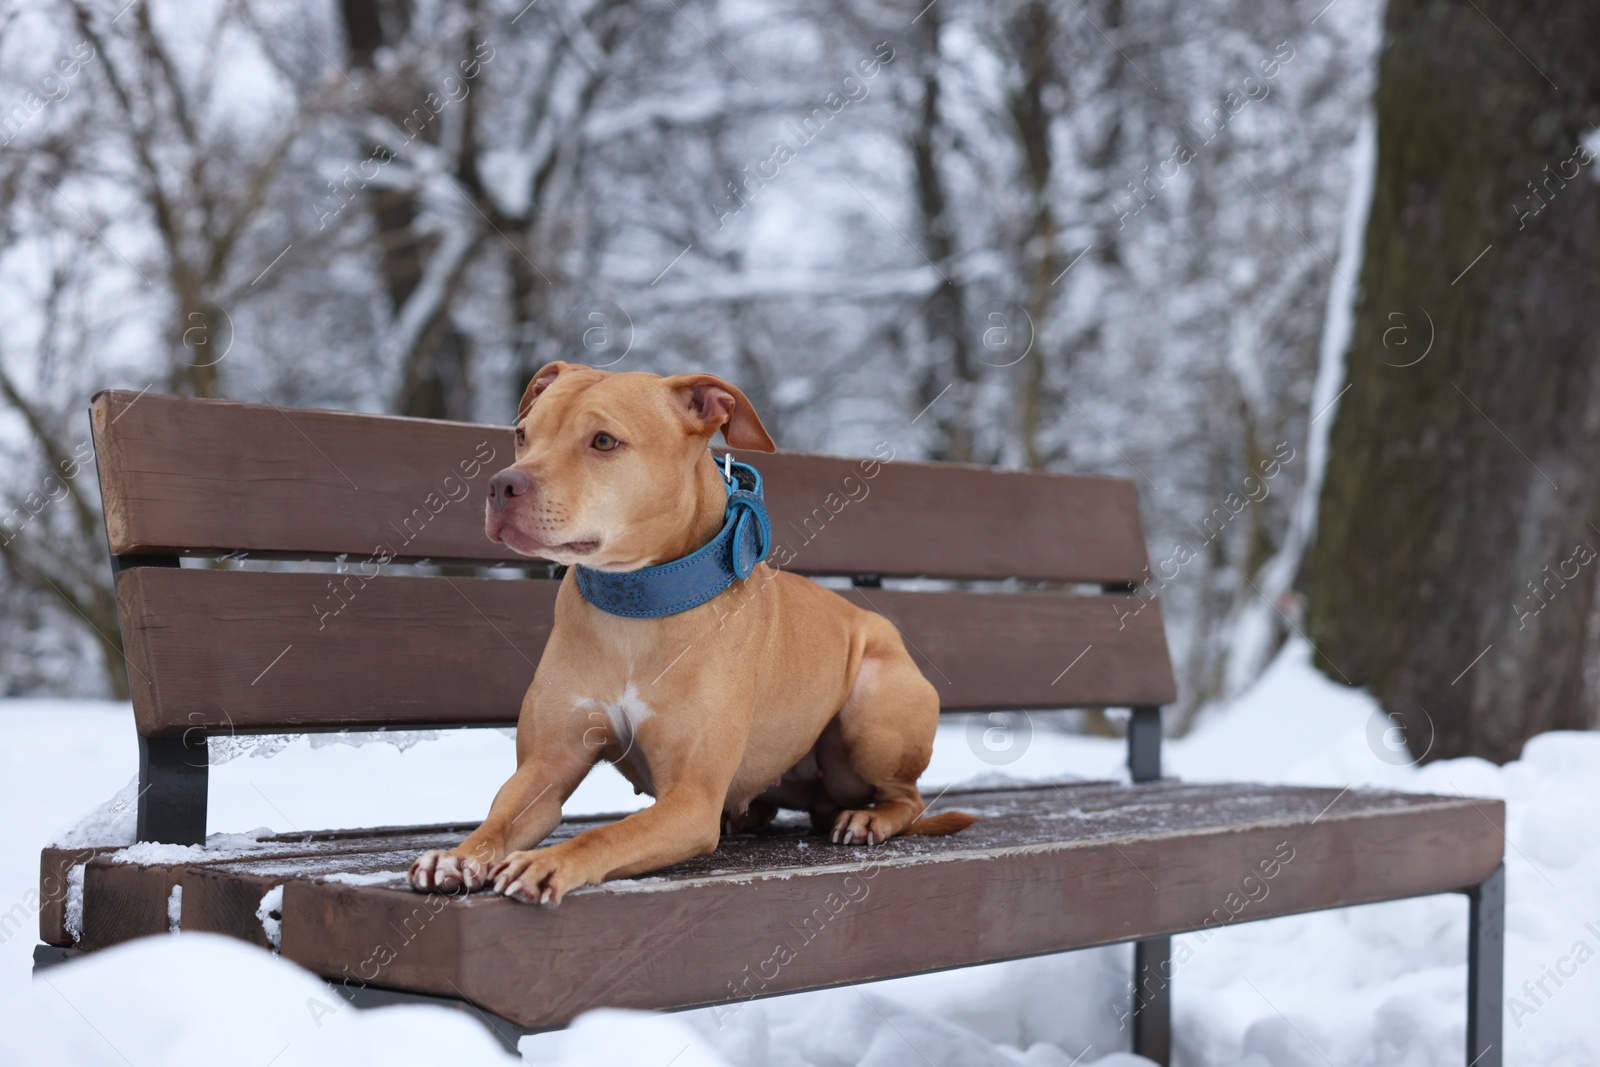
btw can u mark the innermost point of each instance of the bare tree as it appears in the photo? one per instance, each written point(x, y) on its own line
point(406, 207)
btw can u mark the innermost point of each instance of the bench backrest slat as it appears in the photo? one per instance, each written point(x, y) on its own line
point(208, 477)
point(215, 650)
point(251, 652)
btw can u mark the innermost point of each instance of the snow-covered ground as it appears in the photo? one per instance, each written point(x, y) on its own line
point(1382, 985)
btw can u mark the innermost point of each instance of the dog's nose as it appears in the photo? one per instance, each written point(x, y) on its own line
point(508, 484)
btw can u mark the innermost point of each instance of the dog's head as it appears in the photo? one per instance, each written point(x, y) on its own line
point(605, 463)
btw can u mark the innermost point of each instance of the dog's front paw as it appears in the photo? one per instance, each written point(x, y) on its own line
point(540, 876)
point(439, 871)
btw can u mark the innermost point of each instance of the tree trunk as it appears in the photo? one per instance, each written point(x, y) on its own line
point(950, 365)
point(1455, 559)
point(1034, 38)
point(435, 375)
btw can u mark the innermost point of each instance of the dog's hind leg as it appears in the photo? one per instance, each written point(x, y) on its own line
point(878, 745)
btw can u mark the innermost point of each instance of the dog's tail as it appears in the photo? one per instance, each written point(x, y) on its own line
point(948, 822)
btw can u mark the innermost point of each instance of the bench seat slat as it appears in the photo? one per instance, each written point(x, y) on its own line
point(928, 905)
point(254, 651)
point(184, 476)
point(133, 897)
point(1048, 868)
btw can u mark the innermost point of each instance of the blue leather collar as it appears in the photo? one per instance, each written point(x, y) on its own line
point(689, 581)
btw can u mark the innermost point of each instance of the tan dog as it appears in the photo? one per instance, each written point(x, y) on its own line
point(797, 700)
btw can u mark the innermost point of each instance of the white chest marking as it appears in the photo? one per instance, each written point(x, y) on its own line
point(625, 714)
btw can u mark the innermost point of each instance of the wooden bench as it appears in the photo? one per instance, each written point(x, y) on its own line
point(215, 650)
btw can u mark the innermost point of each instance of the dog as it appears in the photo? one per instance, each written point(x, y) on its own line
point(797, 700)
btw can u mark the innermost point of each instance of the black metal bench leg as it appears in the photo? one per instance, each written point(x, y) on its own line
point(1152, 999)
point(174, 773)
point(1144, 744)
point(1486, 966)
point(1152, 958)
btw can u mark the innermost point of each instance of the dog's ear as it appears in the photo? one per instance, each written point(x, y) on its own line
point(710, 404)
point(541, 381)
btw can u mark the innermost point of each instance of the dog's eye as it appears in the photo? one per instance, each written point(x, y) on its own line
point(522, 437)
point(603, 442)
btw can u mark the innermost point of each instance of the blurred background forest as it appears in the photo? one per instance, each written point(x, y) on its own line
point(1104, 236)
